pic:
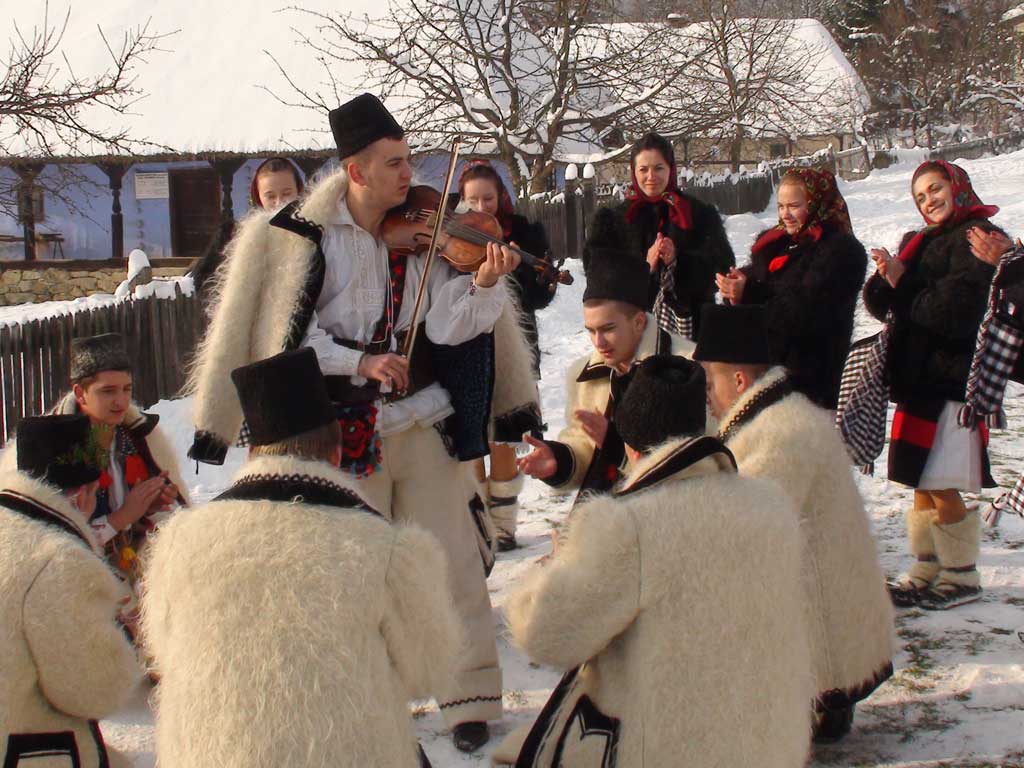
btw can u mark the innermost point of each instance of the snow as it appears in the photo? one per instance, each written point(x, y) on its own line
point(958, 692)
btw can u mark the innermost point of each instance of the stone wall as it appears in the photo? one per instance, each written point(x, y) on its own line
point(23, 282)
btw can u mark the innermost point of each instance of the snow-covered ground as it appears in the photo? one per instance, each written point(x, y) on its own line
point(958, 695)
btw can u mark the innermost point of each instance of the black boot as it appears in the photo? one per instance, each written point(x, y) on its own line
point(469, 737)
point(833, 725)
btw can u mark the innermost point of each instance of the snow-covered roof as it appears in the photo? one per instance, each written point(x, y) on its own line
point(1014, 14)
point(206, 88)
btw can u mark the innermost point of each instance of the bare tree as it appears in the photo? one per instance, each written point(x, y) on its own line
point(765, 79)
point(48, 109)
point(530, 80)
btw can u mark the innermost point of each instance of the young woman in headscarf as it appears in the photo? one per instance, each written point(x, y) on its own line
point(934, 292)
point(678, 239)
point(276, 183)
point(482, 189)
point(807, 271)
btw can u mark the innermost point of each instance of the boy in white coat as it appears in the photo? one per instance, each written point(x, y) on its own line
point(65, 661)
point(674, 655)
point(290, 622)
point(777, 434)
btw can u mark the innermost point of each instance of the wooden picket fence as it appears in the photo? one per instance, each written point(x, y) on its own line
point(35, 357)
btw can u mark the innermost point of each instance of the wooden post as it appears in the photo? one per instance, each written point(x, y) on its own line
point(572, 243)
point(115, 173)
point(28, 172)
point(310, 165)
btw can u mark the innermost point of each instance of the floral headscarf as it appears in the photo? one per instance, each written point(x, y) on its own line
point(474, 170)
point(966, 205)
point(825, 205)
point(678, 206)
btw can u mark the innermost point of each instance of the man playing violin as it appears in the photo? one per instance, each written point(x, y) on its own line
point(338, 289)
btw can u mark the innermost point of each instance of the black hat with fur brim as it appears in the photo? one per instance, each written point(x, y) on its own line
point(94, 354)
point(358, 123)
point(613, 276)
point(735, 334)
point(283, 396)
point(665, 399)
point(59, 450)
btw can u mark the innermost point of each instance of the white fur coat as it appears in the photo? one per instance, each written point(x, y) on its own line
point(682, 603)
point(795, 445)
point(293, 634)
point(255, 294)
point(63, 658)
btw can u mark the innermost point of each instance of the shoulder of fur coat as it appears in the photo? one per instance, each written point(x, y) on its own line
point(795, 445)
point(49, 495)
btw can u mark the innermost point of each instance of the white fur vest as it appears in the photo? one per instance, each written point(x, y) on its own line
point(849, 615)
point(681, 601)
point(257, 294)
point(293, 633)
point(61, 649)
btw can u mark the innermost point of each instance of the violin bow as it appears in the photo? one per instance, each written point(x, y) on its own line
point(410, 339)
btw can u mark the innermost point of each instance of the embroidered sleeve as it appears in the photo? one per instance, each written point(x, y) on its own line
point(461, 310)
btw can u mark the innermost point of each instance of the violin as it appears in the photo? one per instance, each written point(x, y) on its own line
point(463, 239)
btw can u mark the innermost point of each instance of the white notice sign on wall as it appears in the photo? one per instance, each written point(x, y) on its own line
point(151, 186)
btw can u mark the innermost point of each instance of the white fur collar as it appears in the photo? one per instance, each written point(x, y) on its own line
point(772, 376)
point(320, 205)
point(49, 496)
point(290, 466)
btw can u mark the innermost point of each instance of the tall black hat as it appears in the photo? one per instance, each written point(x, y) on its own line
point(666, 398)
point(358, 123)
point(95, 354)
point(733, 334)
point(59, 450)
point(283, 396)
point(612, 275)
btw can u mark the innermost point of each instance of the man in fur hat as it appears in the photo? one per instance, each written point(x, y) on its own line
point(589, 453)
point(65, 661)
point(319, 274)
point(779, 435)
point(288, 587)
point(661, 673)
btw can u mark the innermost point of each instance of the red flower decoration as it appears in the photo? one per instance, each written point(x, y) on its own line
point(105, 480)
point(611, 473)
point(134, 470)
point(778, 263)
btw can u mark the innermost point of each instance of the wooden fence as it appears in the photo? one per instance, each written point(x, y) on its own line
point(35, 356)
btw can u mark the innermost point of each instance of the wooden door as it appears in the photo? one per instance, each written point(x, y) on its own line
point(195, 210)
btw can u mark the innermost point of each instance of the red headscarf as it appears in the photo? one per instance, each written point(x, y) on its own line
point(474, 170)
point(966, 205)
point(678, 206)
point(825, 208)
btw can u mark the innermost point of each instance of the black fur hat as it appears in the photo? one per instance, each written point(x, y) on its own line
point(59, 450)
point(666, 398)
point(612, 275)
point(283, 396)
point(358, 123)
point(95, 354)
point(733, 334)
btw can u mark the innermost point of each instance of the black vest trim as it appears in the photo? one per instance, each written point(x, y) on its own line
point(302, 489)
point(760, 402)
point(289, 219)
point(685, 456)
point(30, 508)
point(23, 748)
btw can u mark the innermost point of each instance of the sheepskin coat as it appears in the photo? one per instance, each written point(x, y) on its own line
point(293, 632)
point(809, 303)
point(264, 296)
point(589, 388)
point(702, 251)
point(64, 660)
point(937, 307)
point(849, 616)
point(679, 601)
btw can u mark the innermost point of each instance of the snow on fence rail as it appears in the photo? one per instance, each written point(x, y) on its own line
point(35, 358)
